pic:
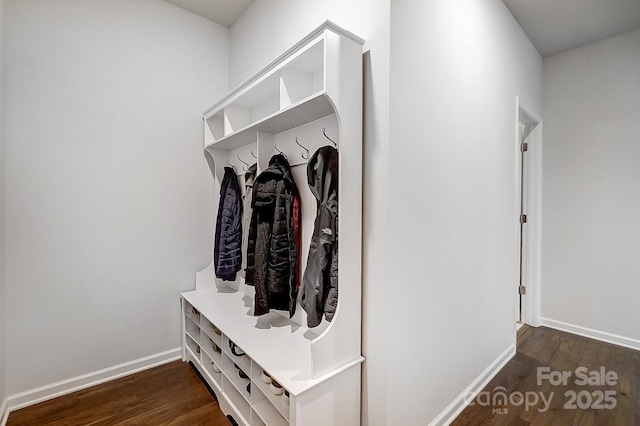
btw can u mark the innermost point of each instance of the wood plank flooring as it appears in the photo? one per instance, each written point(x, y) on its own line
point(559, 351)
point(171, 394)
point(174, 395)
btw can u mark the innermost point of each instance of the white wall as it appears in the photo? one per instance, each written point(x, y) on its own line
point(591, 206)
point(108, 192)
point(456, 69)
point(2, 128)
point(266, 29)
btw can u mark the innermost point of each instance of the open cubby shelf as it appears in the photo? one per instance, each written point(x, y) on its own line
point(314, 86)
point(306, 110)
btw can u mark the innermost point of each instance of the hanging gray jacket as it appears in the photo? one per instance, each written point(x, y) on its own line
point(249, 176)
point(320, 280)
point(227, 255)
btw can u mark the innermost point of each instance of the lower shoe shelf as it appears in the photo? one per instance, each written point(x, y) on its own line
point(333, 398)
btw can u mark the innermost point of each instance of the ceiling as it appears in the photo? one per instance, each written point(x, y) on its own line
point(224, 12)
point(555, 26)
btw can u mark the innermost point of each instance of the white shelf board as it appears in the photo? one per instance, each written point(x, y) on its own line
point(268, 414)
point(234, 400)
point(277, 401)
point(193, 355)
point(208, 350)
point(308, 109)
point(195, 339)
point(215, 382)
point(208, 331)
point(243, 362)
point(278, 345)
point(238, 382)
point(271, 66)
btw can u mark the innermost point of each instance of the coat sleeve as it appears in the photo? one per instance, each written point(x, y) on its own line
point(218, 235)
point(229, 252)
point(332, 291)
point(250, 277)
point(316, 275)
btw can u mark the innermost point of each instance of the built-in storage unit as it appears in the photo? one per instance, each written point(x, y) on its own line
point(272, 369)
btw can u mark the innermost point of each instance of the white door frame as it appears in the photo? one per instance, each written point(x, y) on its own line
point(530, 301)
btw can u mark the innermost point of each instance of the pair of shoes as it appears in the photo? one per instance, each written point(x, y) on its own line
point(276, 388)
point(215, 329)
point(235, 349)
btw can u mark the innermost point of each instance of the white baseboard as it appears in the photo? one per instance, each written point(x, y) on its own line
point(460, 403)
point(4, 412)
point(603, 336)
point(54, 390)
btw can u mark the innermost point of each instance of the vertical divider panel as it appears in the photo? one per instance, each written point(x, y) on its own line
point(235, 118)
point(265, 150)
point(183, 336)
point(214, 129)
point(295, 85)
point(337, 345)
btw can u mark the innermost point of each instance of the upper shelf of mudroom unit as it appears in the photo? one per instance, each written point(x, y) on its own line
point(309, 109)
point(289, 92)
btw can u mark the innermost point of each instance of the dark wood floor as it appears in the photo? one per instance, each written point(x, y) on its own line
point(171, 394)
point(544, 347)
point(174, 395)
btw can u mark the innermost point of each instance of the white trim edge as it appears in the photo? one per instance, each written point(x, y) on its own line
point(4, 412)
point(54, 390)
point(602, 336)
point(460, 403)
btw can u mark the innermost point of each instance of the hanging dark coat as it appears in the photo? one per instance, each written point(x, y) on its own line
point(320, 280)
point(227, 253)
point(272, 252)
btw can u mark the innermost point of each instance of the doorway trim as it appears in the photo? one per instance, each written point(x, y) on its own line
point(531, 301)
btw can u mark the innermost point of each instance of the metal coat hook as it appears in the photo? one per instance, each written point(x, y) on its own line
point(246, 165)
point(280, 152)
point(335, 145)
point(234, 167)
point(254, 156)
point(302, 154)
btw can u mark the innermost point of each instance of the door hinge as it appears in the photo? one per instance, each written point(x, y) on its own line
point(524, 147)
point(522, 289)
point(523, 218)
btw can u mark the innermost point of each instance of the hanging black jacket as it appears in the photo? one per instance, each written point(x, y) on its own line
point(320, 280)
point(271, 251)
point(227, 254)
